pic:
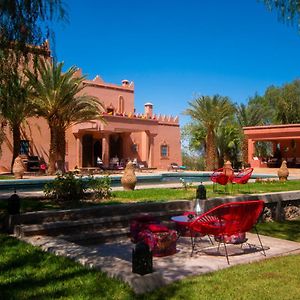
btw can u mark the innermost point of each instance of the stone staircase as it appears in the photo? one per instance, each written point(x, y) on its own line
point(95, 224)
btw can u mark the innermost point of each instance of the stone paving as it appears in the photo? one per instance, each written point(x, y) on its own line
point(115, 258)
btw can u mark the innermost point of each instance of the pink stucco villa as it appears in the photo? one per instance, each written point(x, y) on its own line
point(285, 141)
point(153, 140)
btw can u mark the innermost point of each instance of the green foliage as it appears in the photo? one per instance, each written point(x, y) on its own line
point(287, 10)
point(193, 160)
point(58, 98)
point(210, 113)
point(28, 22)
point(185, 184)
point(101, 187)
point(66, 187)
point(30, 273)
point(285, 101)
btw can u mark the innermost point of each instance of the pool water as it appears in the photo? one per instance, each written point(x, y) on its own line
point(175, 177)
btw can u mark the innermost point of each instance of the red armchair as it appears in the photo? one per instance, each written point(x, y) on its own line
point(242, 177)
point(229, 222)
point(218, 177)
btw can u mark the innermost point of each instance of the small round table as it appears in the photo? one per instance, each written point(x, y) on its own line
point(183, 225)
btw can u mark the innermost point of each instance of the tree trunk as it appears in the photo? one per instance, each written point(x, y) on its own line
point(61, 149)
point(211, 157)
point(16, 142)
point(52, 151)
point(245, 151)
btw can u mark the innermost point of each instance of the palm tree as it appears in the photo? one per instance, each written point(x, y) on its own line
point(15, 106)
point(58, 99)
point(228, 139)
point(210, 113)
point(253, 114)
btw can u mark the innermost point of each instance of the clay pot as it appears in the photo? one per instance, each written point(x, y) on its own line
point(128, 179)
point(227, 169)
point(283, 172)
point(18, 168)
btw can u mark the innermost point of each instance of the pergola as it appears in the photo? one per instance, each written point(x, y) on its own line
point(286, 138)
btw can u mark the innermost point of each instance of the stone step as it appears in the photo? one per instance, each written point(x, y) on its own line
point(96, 237)
point(98, 212)
point(87, 225)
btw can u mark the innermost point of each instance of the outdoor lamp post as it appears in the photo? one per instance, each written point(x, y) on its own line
point(14, 203)
point(200, 195)
point(142, 259)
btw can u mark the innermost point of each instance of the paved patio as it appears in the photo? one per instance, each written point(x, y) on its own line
point(115, 258)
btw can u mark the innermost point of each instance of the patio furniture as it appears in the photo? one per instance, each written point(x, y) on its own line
point(229, 222)
point(160, 239)
point(140, 223)
point(219, 177)
point(242, 177)
point(182, 223)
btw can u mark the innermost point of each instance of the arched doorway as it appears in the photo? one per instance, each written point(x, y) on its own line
point(116, 146)
point(87, 150)
point(97, 151)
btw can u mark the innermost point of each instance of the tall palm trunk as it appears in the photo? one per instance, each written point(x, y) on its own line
point(57, 150)
point(211, 156)
point(16, 142)
point(61, 149)
point(52, 150)
point(245, 150)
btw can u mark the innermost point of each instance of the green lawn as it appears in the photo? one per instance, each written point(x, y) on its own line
point(28, 273)
point(158, 194)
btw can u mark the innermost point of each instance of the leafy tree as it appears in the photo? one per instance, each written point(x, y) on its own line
point(228, 139)
point(210, 113)
point(58, 98)
point(28, 22)
point(15, 106)
point(255, 113)
point(286, 102)
point(288, 10)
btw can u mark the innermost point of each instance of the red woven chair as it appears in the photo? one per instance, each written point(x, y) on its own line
point(218, 177)
point(229, 222)
point(242, 177)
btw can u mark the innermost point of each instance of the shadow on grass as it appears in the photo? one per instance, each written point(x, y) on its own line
point(28, 273)
point(289, 230)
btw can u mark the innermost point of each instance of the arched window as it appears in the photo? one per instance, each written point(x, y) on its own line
point(164, 151)
point(121, 105)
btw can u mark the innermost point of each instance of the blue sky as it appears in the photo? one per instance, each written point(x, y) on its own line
point(175, 50)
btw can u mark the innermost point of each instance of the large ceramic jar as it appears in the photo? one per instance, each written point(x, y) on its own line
point(283, 172)
point(128, 179)
point(18, 168)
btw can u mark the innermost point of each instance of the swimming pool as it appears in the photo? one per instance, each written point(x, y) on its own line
point(163, 178)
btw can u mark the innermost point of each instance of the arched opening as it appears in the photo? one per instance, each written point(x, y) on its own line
point(87, 150)
point(121, 105)
point(97, 151)
point(116, 146)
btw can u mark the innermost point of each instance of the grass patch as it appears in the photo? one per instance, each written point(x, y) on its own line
point(288, 230)
point(156, 195)
point(28, 273)
point(275, 278)
point(5, 177)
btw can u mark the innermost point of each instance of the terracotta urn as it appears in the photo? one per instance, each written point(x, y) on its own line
point(128, 179)
point(18, 168)
point(227, 169)
point(283, 172)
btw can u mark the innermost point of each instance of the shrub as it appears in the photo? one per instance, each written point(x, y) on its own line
point(101, 187)
point(66, 187)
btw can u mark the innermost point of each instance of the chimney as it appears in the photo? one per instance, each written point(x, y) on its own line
point(148, 109)
point(125, 82)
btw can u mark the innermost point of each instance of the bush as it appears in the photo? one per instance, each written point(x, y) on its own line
point(66, 187)
point(101, 187)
